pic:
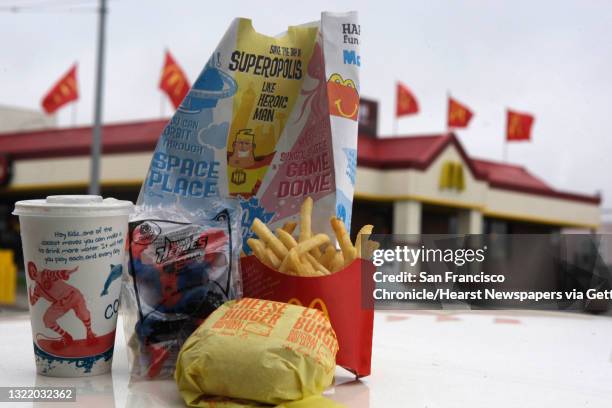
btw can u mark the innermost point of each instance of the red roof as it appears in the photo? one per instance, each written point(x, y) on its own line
point(61, 142)
point(517, 178)
point(399, 152)
point(509, 175)
point(383, 153)
point(420, 151)
point(407, 152)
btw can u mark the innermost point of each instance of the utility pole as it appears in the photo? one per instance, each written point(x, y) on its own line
point(96, 142)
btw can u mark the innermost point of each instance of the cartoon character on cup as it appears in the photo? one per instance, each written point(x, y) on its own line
point(51, 285)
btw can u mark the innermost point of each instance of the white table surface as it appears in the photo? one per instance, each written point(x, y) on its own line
point(420, 359)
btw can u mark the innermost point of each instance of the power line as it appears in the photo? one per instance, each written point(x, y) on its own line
point(69, 10)
point(45, 3)
point(46, 6)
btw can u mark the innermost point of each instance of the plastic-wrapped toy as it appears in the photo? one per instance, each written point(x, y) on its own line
point(182, 267)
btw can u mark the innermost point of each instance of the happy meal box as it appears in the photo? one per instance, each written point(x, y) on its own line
point(269, 122)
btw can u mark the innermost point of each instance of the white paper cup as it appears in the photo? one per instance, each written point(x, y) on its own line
point(74, 255)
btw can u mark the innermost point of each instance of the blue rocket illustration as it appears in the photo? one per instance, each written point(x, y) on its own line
point(115, 273)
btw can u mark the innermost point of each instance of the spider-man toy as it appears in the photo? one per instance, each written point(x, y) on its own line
point(179, 273)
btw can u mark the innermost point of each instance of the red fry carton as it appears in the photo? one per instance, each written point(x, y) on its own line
point(338, 295)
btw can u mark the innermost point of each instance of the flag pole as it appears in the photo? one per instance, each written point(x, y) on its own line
point(505, 150)
point(505, 147)
point(447, 112)
point(74, 114)
point(395, 118)
point(161, 106)
point(96, 143)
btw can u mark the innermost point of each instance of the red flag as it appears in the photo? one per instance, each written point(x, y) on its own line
point(173, 81)
point(406, 102)
point(518, 126)
point(64, 91)
point(459, 115)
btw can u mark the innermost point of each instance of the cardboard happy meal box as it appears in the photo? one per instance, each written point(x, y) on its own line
point(269, 122)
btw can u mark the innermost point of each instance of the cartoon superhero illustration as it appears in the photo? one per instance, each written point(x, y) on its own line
point(115, 273)
point(243, 155)
point(51, 285)
point(245, 169)
point(172, 281)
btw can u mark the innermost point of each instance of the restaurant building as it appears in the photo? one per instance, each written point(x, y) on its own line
point(405, 185)
point(429, 184)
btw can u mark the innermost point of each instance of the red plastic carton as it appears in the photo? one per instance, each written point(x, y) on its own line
point(338, 295)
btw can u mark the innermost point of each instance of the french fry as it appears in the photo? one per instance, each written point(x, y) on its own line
point(316, 265)
point(328, 255)
point(286, 238)
point(303, 256)
point(272, 258)
point(371, 247)
point(295, 262)
point(291, 243)
point(256, 245)
point(269, 238)
point(344, 240)
point(314, 242)
point(308, 269)
point(305, 220)
point(365, 230)
point(289, 226)
point(306, 224)
point(337, 263)
point(323, 247)
point(258, 248)
point(286, 266)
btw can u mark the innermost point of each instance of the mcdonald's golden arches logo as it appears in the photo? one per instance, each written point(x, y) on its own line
point(451, 176)
point(313, 305)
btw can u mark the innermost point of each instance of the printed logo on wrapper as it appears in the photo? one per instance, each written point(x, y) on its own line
point(316, 303)
point(286, 352)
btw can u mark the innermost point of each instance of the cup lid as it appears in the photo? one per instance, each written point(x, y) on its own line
point(73, 206)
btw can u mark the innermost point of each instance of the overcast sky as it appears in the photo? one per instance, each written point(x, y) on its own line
point(550, 58)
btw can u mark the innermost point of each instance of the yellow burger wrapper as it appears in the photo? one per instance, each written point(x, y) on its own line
point(258, 350)
point(315, 401)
